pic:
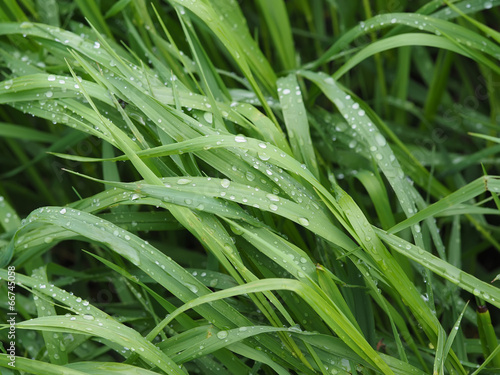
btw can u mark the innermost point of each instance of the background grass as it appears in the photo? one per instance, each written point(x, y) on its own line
point(262, 187)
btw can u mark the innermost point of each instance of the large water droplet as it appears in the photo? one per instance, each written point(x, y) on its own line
point(250, 176)
point(380, 139)
point(222, 334)
point(303, 221)
point(273, 197)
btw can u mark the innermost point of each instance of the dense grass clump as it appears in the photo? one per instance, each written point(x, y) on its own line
point(253, 187)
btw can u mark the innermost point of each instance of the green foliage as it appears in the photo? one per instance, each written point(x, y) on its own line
point(214, 187)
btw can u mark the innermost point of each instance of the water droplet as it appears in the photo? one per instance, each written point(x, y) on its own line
point(379, 138)
point(240, 139)
point(273, 197)
point(286, 91)
point(303, 221)
point(263, 156)
point(208, 117)
point(183, 181)
point(49, 94)
point(51, 77)
point(63, 211)
point(273, 207)
point(225, 183)
point(222, 334)
point(192, 288)
point(88, 317)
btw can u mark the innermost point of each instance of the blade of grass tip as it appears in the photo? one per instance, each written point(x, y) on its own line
point(91, 11)
point(122, 140)
point(211, 80)
point(25, 133)
point(65, 142)
point(239, 44)
point(116, 8)
point(438, 368)
point(487, 137)
point(444, 347)
point(494, 354)
point(464, 194)
point(453, 334)
point(171, 52)
point(444, 269)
